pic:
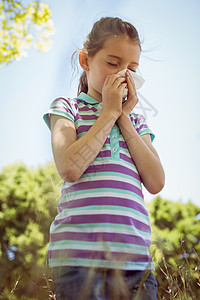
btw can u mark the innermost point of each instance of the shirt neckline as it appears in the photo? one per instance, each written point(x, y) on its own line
point(87, 98)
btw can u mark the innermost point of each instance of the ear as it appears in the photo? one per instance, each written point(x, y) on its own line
point(83, 60)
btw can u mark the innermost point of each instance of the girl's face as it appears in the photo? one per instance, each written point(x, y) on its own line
point(117, 54)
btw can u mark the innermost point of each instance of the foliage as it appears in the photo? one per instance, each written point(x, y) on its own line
point(22, 26)
point(176, 248)
point(28, 201)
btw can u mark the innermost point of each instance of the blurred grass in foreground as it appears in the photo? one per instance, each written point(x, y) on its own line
point(179, 282)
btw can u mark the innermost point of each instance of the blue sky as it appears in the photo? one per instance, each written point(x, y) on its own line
point(169, 63)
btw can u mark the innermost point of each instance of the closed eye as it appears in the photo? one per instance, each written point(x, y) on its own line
point(111, 64)
point(132, 70)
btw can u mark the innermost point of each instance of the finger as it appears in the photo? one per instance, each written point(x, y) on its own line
point(111, 80)
point(131, 80)
point(118, 81)
point(115, 81)
point(131, 87)
point(122, 86)
point(128, 74)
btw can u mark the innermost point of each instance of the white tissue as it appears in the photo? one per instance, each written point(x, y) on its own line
point(138, 80)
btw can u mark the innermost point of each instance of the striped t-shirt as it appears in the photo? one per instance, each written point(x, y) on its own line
point(102, 219)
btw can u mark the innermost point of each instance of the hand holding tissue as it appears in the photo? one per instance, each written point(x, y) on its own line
point(138, 80)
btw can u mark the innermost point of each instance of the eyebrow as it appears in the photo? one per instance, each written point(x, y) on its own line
point(119, 58)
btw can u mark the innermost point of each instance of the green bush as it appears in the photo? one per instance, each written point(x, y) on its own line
point(28, 204)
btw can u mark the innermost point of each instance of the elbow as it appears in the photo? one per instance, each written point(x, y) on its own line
point(69, 175)
point(156, 189)
point(156, 186)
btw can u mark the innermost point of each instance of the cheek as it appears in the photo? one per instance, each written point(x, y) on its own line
point(100, 78)
point(104, 75)
point(103, 78)
point(99, 75)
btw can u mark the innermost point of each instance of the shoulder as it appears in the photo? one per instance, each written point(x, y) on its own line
point(140, 124)
point(63, 107)
point(65, 101)
point(70, 105)
point(137, 118)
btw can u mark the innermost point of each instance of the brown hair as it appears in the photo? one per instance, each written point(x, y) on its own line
point(102, 30)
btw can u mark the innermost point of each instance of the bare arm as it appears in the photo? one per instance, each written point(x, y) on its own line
point(142, 152)
point(144, 155)
point(73, 156)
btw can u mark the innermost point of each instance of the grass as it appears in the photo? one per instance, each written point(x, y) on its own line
point(179, 280)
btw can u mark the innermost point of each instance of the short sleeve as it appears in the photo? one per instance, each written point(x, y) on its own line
point(141, 126)
point(60, 107)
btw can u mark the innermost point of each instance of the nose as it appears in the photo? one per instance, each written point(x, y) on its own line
point(122, 72)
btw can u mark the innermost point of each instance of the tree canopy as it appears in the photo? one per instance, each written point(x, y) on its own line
point(22, 26)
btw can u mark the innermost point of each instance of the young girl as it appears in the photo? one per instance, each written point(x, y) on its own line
point(99, 241)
